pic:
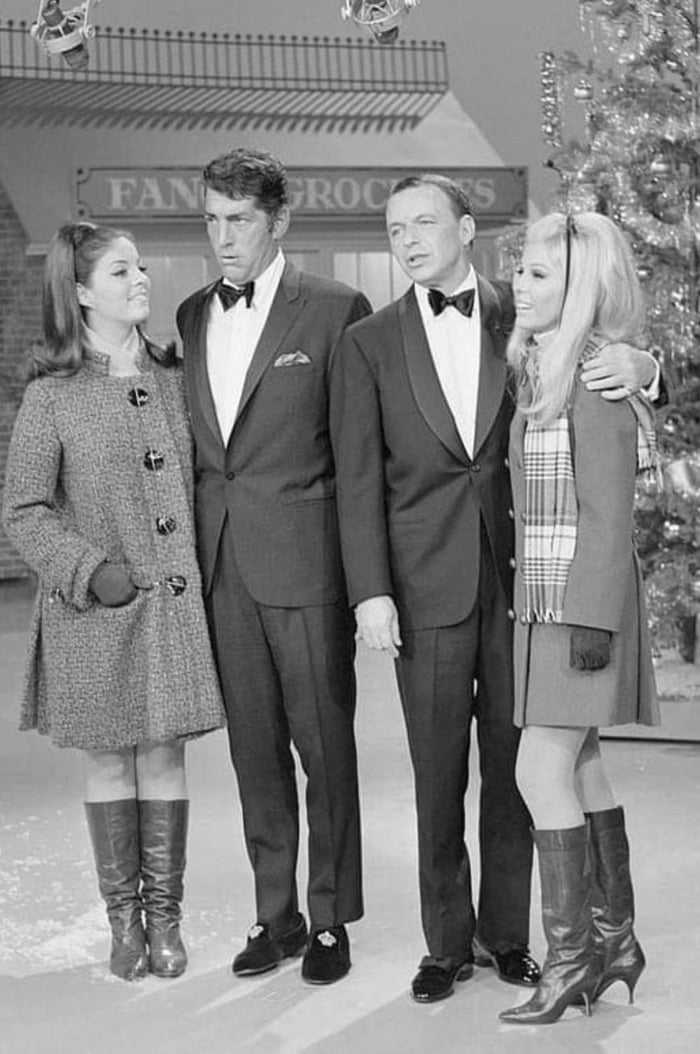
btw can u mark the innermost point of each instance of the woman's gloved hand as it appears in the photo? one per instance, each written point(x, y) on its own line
point(112, 585)
point(589, 648)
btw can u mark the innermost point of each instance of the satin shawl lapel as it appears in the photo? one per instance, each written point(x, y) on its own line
point(493, 367)
point(423, 377)
point(196, 361)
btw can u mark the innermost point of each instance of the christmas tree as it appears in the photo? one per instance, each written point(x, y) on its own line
point(637, 160)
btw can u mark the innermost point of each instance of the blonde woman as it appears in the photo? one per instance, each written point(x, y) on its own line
point(98, 500)
point(581, 648)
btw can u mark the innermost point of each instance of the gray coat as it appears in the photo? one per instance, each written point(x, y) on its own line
point(100, 469)
point(604, 588)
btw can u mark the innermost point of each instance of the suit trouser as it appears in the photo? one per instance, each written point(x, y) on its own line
point(437, 673)
point(287, 676)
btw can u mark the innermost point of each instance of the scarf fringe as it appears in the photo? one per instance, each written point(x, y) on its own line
point(547, 616)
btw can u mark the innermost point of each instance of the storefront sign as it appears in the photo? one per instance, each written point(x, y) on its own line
point(497, 193)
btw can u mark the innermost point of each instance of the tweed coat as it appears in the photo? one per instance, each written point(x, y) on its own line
point(100, 469)
point(604, 587)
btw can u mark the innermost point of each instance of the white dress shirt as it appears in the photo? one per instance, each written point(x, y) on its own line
point(455, 345)
point(232, 337)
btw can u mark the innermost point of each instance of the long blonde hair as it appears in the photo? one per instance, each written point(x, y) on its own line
point(602, 296)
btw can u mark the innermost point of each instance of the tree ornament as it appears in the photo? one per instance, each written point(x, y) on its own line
point(583, 90)
point(660, 165)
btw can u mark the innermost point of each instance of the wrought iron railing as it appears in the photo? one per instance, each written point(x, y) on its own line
point(190, 59)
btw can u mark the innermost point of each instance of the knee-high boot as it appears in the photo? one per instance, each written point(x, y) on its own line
point(619, 956)
point(163, 837)
point(114, 832)
point(568, 974)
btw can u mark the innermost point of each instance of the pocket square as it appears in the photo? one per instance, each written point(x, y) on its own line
point(293, 358)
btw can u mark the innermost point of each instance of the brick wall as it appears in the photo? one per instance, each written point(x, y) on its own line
point(20, 323)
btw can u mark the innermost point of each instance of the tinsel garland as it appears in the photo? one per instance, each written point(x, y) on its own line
point(638, 161)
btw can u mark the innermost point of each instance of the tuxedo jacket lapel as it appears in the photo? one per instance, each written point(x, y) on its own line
point(492, 368)
point(196, 361)
point(285, 307)
point(423, 377)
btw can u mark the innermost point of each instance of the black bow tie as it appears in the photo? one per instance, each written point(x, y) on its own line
point(464, 302)
point(231, 294)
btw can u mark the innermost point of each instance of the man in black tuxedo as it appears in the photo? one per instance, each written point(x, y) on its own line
point(420, 413)
point(257, 348)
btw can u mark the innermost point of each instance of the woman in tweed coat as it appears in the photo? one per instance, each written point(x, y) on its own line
point(98, 501)
point(582, 651)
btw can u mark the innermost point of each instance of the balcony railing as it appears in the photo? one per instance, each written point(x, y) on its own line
point(222, 60)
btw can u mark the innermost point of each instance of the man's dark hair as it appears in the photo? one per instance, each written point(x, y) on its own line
point(248, 173)
point(459, 199)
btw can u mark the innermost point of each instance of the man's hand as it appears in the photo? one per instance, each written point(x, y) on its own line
point(619, 370)
point(378, 624)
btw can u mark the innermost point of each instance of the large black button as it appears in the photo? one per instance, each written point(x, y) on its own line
point(230, 475)
point(138, 397)
point(153, 460)
point(165, 524)
point(476, 467)
point(176, 584)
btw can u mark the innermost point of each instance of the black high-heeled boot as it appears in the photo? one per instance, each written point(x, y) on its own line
point(618, 953)
point(114, 832)
point(568, 974)
point(163, 837)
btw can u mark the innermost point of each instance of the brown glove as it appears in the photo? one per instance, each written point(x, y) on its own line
point(589, 648)
point(112, 586)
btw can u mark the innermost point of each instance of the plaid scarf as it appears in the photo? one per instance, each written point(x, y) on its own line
point(552, 508)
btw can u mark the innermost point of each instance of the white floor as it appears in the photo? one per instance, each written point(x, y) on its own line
point(57, 996)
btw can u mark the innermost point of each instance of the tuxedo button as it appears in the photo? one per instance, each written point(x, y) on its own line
point(523, 618)
point(511, 615)
point(511, 514)
point(506, 462)
point(523, 517)
point(230, 475)
point(512, 563)
point(476, 468)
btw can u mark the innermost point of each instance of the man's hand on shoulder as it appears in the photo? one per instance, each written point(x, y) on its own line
point(378, 624)
point(619, 370)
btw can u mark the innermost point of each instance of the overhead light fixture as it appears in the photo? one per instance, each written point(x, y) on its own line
point(66, 34)
point(382, 18)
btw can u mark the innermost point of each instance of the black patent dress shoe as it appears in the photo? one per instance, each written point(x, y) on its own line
point(327, 957)
point(516, 966)
point(436, 978)
point(263, 951)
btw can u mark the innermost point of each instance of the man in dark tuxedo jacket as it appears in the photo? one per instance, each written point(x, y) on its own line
point(420, 413)
point(257, 349)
